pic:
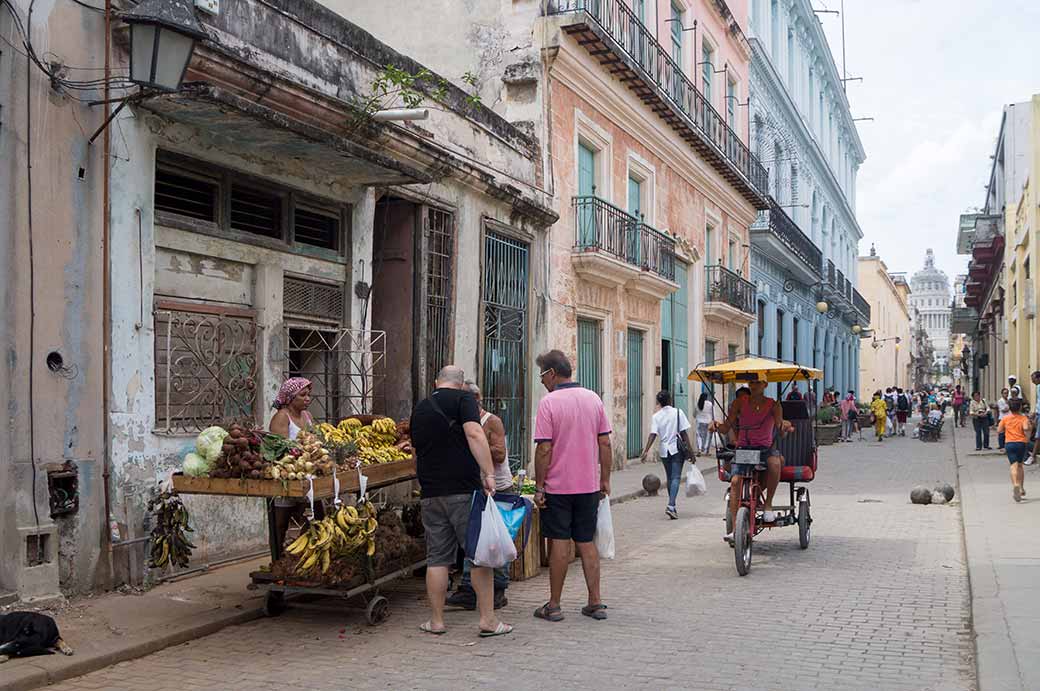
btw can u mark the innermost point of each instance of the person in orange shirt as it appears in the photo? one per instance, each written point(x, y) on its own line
point(1016, 428)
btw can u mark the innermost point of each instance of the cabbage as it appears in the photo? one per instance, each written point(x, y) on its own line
point(210, 443)
point(196, 466)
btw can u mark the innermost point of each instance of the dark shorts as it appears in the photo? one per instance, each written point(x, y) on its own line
point(1016, 451)
point(901, 416)
point(445, 520)
point(570, 516)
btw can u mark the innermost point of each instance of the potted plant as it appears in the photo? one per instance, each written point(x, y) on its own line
point(864, 415)
point(828, 425)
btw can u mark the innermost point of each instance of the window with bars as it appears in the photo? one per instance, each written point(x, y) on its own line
point(188, 192)
point(439, 241)
point(205, 366)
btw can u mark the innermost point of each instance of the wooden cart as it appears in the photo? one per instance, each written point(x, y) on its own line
point(382, 475)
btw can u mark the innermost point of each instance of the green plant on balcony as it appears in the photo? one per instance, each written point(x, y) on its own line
point(394, 87)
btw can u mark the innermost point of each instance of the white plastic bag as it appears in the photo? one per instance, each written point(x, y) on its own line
point(604, 530)
point(495, 547)
point(695, 485)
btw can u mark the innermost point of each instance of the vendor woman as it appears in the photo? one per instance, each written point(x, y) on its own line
point(290, 418)
point(294, 397)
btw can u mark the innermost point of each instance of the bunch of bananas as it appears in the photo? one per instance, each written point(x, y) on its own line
point(377, 442)
point(337, 535)
point(169, 543)
point(339, 435)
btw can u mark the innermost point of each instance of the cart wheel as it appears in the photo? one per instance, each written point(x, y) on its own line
point(742, 540)
point(804, 521)
point(274, 603)
point(378, 610)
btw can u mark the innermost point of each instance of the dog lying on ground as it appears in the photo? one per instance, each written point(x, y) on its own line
point(29, 633)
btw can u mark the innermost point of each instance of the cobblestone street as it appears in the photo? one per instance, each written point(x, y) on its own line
point(879, 600)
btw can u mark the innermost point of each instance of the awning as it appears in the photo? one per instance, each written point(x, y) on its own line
point(754, 369)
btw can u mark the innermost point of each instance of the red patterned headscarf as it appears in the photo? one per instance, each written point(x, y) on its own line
point(290, 388)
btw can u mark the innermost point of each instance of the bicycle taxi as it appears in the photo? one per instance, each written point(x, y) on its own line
point(797, 449)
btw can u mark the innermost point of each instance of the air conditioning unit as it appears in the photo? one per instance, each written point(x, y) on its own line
point(1028, 299)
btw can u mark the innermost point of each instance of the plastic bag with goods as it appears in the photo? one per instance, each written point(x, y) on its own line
point(695, 485)
point(604, 530)
point(495, 547)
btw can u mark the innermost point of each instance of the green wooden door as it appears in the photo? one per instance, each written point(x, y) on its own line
point(634, 403)
point(587, 235)
point(590, 365)
point(676, 305)
point(633, 244)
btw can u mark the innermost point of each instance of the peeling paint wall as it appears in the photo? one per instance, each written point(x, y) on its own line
point(59, 309)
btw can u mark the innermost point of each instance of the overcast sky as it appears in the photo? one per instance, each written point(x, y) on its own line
point(936, 75)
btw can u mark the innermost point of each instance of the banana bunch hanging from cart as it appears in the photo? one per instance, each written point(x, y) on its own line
point(335, 536)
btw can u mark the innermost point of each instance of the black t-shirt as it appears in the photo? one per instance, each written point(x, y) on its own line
point(444, 463)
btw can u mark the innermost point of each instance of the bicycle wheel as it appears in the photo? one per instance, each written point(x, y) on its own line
point(804, 523)
point(742, 539)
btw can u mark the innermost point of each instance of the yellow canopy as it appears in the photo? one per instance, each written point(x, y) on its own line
point(754, 369)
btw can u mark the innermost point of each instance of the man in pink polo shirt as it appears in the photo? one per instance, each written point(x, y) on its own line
point(572, 474)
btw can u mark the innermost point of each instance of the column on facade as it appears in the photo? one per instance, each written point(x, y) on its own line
point(855, 365)
point(788, 334)
point(839, 367)
point(818, 350)
point(828, 349)
point(769, 339)
point(752, 344)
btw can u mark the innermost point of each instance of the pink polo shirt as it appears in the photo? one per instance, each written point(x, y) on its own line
point(572, 418)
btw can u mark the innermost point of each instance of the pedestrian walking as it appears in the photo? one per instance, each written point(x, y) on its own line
point(572, 474)
point(903, 407)
point(1016, 429)
point(495, 430)
point(849, 416)
point(890, 406)
point(1035, 378)
point(704, 416)
point(453, 461)
point(958, 406)
point(668, 427)
point(879, 412)
point(794, 394)
point(978, 410)
point(1003, 410)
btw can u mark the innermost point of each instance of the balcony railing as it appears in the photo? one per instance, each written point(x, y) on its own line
point(839, 283)
point(728, 287)
point(800, 245)
point(830, 272)
point(861, 304)
point(604, 227)
point(650, 60)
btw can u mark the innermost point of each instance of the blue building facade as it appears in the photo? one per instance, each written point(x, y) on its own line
point(804, 252)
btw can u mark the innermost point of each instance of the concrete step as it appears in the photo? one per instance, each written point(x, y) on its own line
point(7, 598)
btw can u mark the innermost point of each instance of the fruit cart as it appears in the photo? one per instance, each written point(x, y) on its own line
point(324, 488)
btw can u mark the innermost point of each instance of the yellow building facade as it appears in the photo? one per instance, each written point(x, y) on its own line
point(1021, 226)
point(885, 352)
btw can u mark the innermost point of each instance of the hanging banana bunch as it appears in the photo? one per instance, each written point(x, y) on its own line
point(335, 536)
point(169, 543)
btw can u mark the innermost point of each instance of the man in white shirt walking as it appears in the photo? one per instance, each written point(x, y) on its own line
point(669, 425)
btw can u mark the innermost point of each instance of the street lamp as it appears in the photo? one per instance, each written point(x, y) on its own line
point(822, 307)
point(162, 38)
point(163, 34)
point(856, 328)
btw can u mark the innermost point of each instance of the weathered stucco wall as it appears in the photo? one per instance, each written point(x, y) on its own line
point(56, 310)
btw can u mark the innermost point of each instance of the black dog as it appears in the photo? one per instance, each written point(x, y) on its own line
point(29, 633)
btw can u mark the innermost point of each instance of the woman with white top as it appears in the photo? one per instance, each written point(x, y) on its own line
point(291, 417)
point(667, 425)
point(1003, 410)
point(704, 416)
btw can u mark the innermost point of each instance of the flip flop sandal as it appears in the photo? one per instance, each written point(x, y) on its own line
point(549, 613)
point(428, 628)
point(500, 630)
point(595, 611)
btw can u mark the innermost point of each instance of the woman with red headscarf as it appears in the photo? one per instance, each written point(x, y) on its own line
point(294, 397)
point(291, 403)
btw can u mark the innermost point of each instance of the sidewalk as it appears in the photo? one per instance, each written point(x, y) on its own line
point(116, 627)
point(1003, 550)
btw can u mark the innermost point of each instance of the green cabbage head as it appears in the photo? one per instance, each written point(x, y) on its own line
point(210, 443)
point(196, 466)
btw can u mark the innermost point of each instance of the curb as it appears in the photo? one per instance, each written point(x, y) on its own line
point(31, 676)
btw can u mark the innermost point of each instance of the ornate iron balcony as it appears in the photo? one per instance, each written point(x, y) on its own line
point(657, 78)
point(861, 304)
point(798, 243)
point(729, 287)
point(604, 227)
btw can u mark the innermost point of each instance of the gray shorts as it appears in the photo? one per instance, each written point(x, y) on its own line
point(445, 520)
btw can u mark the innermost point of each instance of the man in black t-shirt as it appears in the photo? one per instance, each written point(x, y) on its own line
point(453, 460)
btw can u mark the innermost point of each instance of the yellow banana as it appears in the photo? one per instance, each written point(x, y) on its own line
point(298, 545)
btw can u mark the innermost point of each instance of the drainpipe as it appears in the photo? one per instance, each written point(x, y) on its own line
point(105, 296)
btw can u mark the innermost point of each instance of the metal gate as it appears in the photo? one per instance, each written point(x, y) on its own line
point(590, 366)
point(504, 296)
point(438, 260)
point(634, 404)
point(346, 368)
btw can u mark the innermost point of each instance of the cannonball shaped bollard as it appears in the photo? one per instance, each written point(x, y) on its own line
point(921, 495)
point(651, 483)
point(946, 489)
point(938, 497)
